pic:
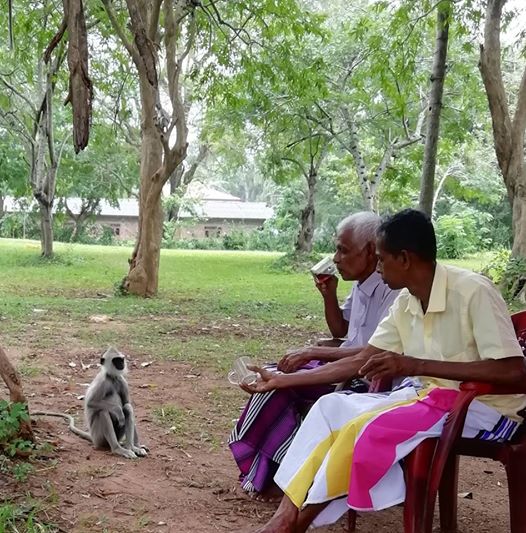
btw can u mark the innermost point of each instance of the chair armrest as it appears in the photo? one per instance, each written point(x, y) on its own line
point(330, 342)
point(479, 388)
point(454, 424)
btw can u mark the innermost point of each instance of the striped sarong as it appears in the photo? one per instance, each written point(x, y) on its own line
point(349, 448)
point(266, 428)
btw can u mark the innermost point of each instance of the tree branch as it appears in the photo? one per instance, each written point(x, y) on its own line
point(301, 167)
point(519, 118)
point(153, 23)
point(120, 32)
point(18, 93)
point(491, 72)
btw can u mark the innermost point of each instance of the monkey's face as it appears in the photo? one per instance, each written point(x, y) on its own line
point(113, 365)
point(118, 363)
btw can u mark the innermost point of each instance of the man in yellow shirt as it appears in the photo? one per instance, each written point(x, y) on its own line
point(447, 325)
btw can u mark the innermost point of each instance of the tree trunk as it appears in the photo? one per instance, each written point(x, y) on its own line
point(306, 232)
point(175, 182)
point(2, 204)
point(46, 230)
point(508, 130)
point(77, 228)
point(427, 183)
point(519, 221)
point(16, 394)
point(143, 276)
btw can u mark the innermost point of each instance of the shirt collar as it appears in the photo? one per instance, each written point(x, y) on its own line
point(369, 285)
point(437, 298)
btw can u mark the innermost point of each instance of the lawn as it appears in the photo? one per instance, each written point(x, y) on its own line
point(42, 302)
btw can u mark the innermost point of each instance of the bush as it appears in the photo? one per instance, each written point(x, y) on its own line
point(20, 225)
point(508, 273)
point(235, 240)
point(459, 235)
point(11, 416)
point(295, 262)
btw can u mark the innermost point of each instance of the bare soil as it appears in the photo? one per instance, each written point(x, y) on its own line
point(188, 483)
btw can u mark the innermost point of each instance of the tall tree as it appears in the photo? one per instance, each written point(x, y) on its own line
point(508, 127)
point(161, 29)
point(438, 74)
point(27, 110)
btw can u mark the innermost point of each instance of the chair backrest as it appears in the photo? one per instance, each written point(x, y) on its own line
point(519, 323)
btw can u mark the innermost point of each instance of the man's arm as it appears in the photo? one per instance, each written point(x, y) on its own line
point(295, 359)
point(335, 372)
point(505, 371)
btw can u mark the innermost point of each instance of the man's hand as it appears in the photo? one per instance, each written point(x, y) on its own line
point(328, 286)
point(294, 359)
point(389, 365)
point(265, 383)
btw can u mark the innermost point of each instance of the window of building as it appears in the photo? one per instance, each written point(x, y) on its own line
point(212, 231)
point(116, 229)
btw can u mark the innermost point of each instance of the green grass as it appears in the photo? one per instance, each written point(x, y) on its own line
point(15, 518)
point(212, 305)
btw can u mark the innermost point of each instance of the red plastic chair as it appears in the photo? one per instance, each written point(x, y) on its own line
point(440, 456)
point(444, 469)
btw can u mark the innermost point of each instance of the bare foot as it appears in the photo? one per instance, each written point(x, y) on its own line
point(278, 524)
point(271, 495)
point(284, 519)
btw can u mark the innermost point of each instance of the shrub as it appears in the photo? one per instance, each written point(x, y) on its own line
point(11, 416)
point(508, 273)
point(295, 262)
point(459, 235)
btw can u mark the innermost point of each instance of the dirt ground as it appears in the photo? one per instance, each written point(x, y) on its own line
point(188, 482)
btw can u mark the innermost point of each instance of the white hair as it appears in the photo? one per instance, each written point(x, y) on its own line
point(363, 226)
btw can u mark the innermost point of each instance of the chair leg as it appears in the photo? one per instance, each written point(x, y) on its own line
point(516, 471)
point(417, 467)
point(351, 520)
point(448, 496)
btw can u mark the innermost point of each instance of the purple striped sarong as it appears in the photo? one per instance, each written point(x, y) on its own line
point(266, 428)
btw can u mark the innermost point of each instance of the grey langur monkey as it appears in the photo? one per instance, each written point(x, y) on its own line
point(108, 411)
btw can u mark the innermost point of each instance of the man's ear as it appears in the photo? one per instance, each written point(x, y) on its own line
point(405, 259)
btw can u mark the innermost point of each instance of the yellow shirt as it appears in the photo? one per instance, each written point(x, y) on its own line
point(466, 320)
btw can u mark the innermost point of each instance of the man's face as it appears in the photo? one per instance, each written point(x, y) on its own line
point(352, 259)
point(392, 268)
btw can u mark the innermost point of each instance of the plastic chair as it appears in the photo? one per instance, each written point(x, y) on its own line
point(440, 457)
point(444, 469)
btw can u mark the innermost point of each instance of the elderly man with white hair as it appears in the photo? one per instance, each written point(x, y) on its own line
point(271, 419)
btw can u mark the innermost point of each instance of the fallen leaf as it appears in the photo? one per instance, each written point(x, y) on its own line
point(100, 318)
point(467, 495)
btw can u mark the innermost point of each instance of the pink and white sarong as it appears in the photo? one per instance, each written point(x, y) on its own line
point(349, 448)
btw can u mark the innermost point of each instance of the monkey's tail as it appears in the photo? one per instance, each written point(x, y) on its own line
point(82, 434)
